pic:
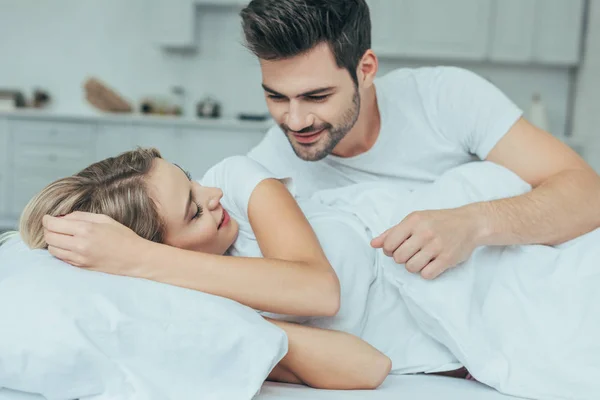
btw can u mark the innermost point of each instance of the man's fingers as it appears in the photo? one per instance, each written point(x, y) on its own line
point(395, 237)
point(434, 269)
point(378, 241)
point(420, 260)
point(407, 250)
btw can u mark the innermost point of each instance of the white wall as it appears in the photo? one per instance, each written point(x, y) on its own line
point(586, 124)
point(56, 44)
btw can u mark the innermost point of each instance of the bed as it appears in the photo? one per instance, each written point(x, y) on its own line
point(394, 388)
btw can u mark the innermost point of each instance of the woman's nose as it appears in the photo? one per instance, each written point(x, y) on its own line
point(215, 199)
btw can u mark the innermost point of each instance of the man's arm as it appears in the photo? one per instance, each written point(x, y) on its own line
point(564, 202)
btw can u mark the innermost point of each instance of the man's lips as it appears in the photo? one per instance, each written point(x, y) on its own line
point(308, 137)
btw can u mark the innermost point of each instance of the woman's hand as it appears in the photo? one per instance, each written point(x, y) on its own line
point(95, 242)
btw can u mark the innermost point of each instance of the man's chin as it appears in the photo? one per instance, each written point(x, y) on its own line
point(308, 153)
point(314, 151)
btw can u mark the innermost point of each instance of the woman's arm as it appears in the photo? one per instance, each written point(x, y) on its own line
point(327, 359)
point(295, 277)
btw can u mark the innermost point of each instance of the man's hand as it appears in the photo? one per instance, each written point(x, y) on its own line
point(430, 242)
point(94, 242)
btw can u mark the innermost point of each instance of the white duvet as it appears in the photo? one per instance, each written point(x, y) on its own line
point(523, 319)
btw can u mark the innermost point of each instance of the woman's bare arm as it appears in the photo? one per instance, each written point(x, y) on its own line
point(328, 359)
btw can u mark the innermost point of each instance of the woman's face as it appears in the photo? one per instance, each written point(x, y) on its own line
point(194, 217)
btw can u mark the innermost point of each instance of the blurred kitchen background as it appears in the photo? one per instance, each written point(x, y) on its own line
point(81, 80)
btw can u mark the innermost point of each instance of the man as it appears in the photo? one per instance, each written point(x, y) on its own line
point(338, 125)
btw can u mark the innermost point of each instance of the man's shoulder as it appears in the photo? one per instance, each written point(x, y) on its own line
point(427, 76)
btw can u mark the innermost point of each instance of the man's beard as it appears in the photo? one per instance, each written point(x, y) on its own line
point(325, 145)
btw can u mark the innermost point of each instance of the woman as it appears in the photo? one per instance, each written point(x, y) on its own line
point(146, 213)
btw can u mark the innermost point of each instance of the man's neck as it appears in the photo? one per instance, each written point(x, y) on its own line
point(365, 132)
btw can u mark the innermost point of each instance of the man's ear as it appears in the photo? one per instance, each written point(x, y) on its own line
point(367, 69)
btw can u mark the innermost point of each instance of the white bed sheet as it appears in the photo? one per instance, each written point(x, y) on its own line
point(396, 387)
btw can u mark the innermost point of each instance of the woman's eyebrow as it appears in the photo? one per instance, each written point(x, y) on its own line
point(187, 173)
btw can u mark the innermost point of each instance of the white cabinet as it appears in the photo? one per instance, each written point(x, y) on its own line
point(166, 139)
point(559, 33)
point(38, 150)
point(203, 149)
point(457, 29)
point(41, 152)
point(539, 31)
point(513, 30)
point(4, 149)
point(113, 139)
point(172, 23)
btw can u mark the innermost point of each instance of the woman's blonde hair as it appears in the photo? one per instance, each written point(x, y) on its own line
point(116, 187)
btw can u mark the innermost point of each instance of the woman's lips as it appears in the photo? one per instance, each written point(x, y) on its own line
point(224, 219)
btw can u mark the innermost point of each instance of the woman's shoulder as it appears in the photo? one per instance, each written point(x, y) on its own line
point(233, 167)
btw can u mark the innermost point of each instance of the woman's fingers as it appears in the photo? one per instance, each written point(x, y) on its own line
point(65, 255)
point(61, 225)
point(58, 240)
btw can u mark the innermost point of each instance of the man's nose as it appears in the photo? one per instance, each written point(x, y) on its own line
point(298, 117)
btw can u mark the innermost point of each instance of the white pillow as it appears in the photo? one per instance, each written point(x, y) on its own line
point(70, 333)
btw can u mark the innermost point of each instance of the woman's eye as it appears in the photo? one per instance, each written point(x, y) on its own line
point(198, 211)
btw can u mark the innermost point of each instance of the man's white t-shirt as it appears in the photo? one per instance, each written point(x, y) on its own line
point(432, 119)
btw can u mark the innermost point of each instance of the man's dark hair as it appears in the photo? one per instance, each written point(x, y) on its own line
point(280, 29)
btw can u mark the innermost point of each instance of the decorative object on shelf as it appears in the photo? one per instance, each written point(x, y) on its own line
point(163, 104)
point(10, 100)
point(158, 105)
point(105, 98)
point(41, 98)
point(537, 114)
point(208, 108)
point(253, 117)
point(179, 96)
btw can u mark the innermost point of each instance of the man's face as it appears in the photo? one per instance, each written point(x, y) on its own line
point(315, 102)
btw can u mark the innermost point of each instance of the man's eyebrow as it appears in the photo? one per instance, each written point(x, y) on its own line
point(305, 94)
point(317, 91)
point(268, 89)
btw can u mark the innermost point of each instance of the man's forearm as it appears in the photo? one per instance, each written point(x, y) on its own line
point(563, 208)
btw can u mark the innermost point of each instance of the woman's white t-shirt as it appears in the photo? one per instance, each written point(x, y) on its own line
point(371, 306)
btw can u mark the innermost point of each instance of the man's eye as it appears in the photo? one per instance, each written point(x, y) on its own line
point(198, 211)
point(318, 98)
point(275, 97)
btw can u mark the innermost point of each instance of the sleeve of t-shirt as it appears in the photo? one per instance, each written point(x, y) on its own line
point(237, 177)
point(468, 110)
point(273, 152)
